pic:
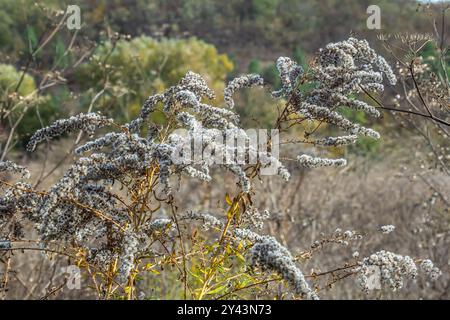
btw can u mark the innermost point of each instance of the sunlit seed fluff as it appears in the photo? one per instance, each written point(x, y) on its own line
point(269, 254)
point(195, 83)
point(315, 112)
point(314, 162)
point(238, 83)
point(147, 108)
point(210, 111)
point(188, 120)
point(243, 179)
point(289, 72)
point(254, 218)
point(208, 220)
point(389, 269)
point(10, 166)
point(127, 258)
point(336, 141)
point(386, 69)
point(268, 160)
point(160, 225)
point(344, 70)
point(283, 173)
point(433, 273)
point(357, 105)
point(387, 229)
point(242, 234)
point(195, 173)
point(99, 143)
point(186, 98)
point(87, 122)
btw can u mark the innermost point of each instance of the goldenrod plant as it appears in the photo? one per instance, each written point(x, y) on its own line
point(115, 213)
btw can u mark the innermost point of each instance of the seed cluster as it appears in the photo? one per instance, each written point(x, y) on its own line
point(9, 166)
point(342, 71)
point(238, 83)
point(86, 122)
point(389, 269)
point(314, 162)
point(269, 254)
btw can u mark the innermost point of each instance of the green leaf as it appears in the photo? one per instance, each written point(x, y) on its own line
point(217, 290)
point(32, 39)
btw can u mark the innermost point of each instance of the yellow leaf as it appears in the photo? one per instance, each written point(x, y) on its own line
point(148, 266)
point(240, 256)
point(127, 289)
point(228, 199)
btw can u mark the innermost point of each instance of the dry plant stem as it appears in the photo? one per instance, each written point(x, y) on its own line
point(256, 284)
point(66, 254)
point(312, 276)
point(214, 261)
point(382, 106)
point(31, 56)
point(112, 271)
point(183, 252)
point(6, 277)
point(55, 290)
point(130, 286)
point(174, 260)
point(441, 36)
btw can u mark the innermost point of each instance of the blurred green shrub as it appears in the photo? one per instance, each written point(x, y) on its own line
point(132, 70)
point(430, 55)
point(364, 146)
point(21, 103)
point(9, 79)
point(21, 21)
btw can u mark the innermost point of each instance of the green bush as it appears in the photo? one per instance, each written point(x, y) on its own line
point(135, 69)
point(26, 101)
point(20, 23)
